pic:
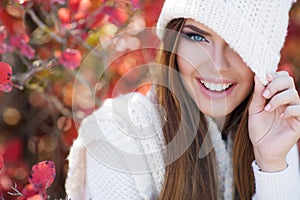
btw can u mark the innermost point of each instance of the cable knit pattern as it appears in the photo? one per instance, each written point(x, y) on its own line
point(117, 156)
point(119, 146)
point(255, 29)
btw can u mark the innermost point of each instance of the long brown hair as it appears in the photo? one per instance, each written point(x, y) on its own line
point(190, 177)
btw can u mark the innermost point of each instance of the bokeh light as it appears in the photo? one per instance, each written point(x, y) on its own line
point(11, 116)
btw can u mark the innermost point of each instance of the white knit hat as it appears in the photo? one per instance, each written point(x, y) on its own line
point(255, 29)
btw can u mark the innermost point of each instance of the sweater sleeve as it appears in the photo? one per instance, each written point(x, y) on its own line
point(279, 185)
point(75, 181)
point(93, 166)
point(106, 161)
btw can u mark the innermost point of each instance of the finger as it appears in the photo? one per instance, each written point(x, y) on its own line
point(258, 101)
point(278, 84)
point(284, 98)
point(271, 76)
point(293, 114)
point(291, 111)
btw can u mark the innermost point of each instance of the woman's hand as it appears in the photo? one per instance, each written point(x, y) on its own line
point(274, 121)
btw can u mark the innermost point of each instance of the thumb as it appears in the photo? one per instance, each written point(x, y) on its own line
point(258, 100)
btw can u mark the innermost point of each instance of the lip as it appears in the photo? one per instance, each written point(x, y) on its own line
point(214, 94)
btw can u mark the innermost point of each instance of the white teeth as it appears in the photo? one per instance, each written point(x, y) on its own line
point(219, 87)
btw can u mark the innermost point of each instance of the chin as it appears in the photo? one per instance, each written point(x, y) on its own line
point(216, 111)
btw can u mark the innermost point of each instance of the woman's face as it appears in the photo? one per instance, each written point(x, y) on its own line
point(215, 76)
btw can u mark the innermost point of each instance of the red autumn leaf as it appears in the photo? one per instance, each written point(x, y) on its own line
point(97, 20)
point(27, 51)
point(20, 41)
point(69, 135)
point(42, 175)
point(151, 11)
point(73, 5)
point(28, 191)
point(5, 77)
point(70, 58)
point(117, 16)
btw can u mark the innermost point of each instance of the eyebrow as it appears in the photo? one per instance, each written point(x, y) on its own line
point(194, 28)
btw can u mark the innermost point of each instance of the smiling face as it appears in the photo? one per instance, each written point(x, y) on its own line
point(215, 76)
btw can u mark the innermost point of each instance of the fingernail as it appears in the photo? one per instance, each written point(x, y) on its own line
point(266, 93)
point(268, 107)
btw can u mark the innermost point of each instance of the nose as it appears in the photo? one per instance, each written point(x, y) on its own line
point(219, 55)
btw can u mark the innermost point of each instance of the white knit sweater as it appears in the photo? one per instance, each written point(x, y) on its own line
point(105, 163)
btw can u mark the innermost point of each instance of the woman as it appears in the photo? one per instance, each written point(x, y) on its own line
point(220, 82)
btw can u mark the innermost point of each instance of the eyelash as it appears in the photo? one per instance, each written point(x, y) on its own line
point(191, 36)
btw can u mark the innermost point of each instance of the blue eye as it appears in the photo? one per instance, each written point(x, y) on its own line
point(195, 37)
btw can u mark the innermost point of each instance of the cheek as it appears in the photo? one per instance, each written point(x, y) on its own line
point(185, 68)
point(186, 71)
point(190, 56)
point(240, 69)
point(247, 75)
point(247, 82)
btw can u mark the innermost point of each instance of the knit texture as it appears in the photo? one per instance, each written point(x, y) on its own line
point(104, 161)
point(223, 152)
point(99, 167)
point(287, 181)
point(255, 29)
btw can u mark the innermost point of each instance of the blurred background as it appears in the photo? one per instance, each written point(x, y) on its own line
point(46, 43)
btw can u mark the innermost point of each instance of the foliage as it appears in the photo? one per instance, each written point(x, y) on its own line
point(43, 44)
